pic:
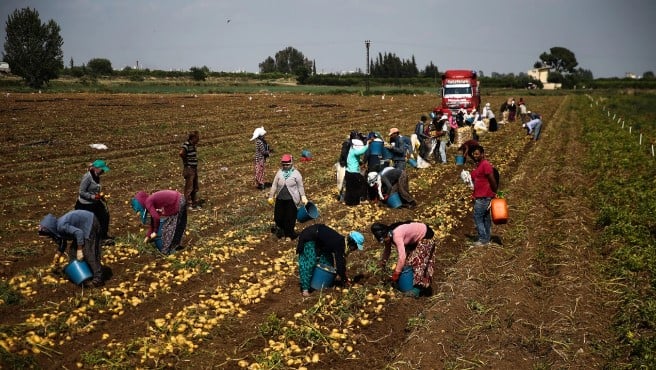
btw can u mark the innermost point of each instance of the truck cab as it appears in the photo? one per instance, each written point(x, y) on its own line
point(460, 88)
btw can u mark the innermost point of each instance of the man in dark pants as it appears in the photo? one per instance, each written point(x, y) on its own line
point(190, 170)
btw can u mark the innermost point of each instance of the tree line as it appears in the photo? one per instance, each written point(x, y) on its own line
point(34, 52)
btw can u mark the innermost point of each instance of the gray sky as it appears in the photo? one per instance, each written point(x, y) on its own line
point(608, 37)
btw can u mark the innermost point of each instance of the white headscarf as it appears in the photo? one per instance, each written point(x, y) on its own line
point(373, 179)
point(260, 131)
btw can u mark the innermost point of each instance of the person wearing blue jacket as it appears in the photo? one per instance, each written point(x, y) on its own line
point(83, 229)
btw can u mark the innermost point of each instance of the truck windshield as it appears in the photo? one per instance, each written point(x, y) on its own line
point(457, 91)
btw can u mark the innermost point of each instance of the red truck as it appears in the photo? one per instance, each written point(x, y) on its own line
point(460, 88)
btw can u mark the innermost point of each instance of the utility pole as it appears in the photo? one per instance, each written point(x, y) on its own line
point(367, 43)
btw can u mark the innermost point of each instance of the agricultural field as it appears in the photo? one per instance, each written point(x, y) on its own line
point(231, 298)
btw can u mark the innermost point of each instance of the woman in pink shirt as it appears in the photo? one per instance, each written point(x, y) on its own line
point(167, 207)
point(415, 246)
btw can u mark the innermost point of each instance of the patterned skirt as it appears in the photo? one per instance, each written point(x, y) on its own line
point(173, 228)
point(421, 260)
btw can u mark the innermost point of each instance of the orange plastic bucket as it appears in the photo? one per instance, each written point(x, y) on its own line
point(499, 209)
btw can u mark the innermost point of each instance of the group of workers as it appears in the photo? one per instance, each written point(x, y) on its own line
point(165, 211)
point(87, 226)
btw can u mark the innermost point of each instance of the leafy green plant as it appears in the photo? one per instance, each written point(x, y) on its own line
point(625, 219)
point(416, 322)
point(9, 295)
point(271, 327)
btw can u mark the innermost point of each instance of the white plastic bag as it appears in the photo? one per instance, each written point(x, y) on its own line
point(466, 178)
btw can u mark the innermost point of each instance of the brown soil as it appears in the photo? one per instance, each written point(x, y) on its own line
point(532, 300)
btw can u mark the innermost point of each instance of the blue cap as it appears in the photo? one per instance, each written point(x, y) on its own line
point(358, 238)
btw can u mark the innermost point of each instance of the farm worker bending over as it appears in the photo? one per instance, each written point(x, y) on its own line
point(91, 198)
point(287, 194)
point(533, 127)
point(466, 147)
point(415, 246)
point(389, 181)
point(320, 243)
point(169, 204)
point(83, 228)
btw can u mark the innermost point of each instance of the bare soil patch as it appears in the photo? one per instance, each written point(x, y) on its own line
point(531, 301)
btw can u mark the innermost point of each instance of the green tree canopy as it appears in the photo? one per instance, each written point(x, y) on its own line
point(268, 66)
point(33, 49)
point(288, 60)
point(559, 59)
point(199, 74)
point(100, 67)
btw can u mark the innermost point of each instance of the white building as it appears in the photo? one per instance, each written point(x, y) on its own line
point(542, 74)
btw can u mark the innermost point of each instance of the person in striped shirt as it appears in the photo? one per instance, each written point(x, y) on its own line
point(189, 157)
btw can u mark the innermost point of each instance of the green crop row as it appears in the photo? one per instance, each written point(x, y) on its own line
point(625, 196)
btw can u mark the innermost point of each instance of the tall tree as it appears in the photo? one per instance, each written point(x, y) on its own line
point(288, 60)
point(559, 59)
point(431, 70)
point(389, 65)
point(292, 61)
point(33, 49)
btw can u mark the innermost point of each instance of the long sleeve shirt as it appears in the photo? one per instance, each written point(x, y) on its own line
point(163, 203)
point(75, 225)
point(327, 242)
point(353, 158)
point(89, 187)
point(293, 182)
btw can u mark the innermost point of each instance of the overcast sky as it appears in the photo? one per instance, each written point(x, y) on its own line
point(608, 37)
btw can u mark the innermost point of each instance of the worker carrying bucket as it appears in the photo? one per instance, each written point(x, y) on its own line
point(320, 246)
point(83, 229)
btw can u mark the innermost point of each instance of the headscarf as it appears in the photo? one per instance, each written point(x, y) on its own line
point(48, 227)
point(260, 131)
point(138, 205)
point(357, 238)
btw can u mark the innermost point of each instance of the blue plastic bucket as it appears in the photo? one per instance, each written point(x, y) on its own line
point(376, 147)
point(158, 239)
point(460, 159)
point(387, 154)
point(307, 212)
point(323, 276)
point(412, 162)
point(78, 271)
point(406, 279)
point(394, 200)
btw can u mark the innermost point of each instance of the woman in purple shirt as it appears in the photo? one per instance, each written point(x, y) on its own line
point(168, 205)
